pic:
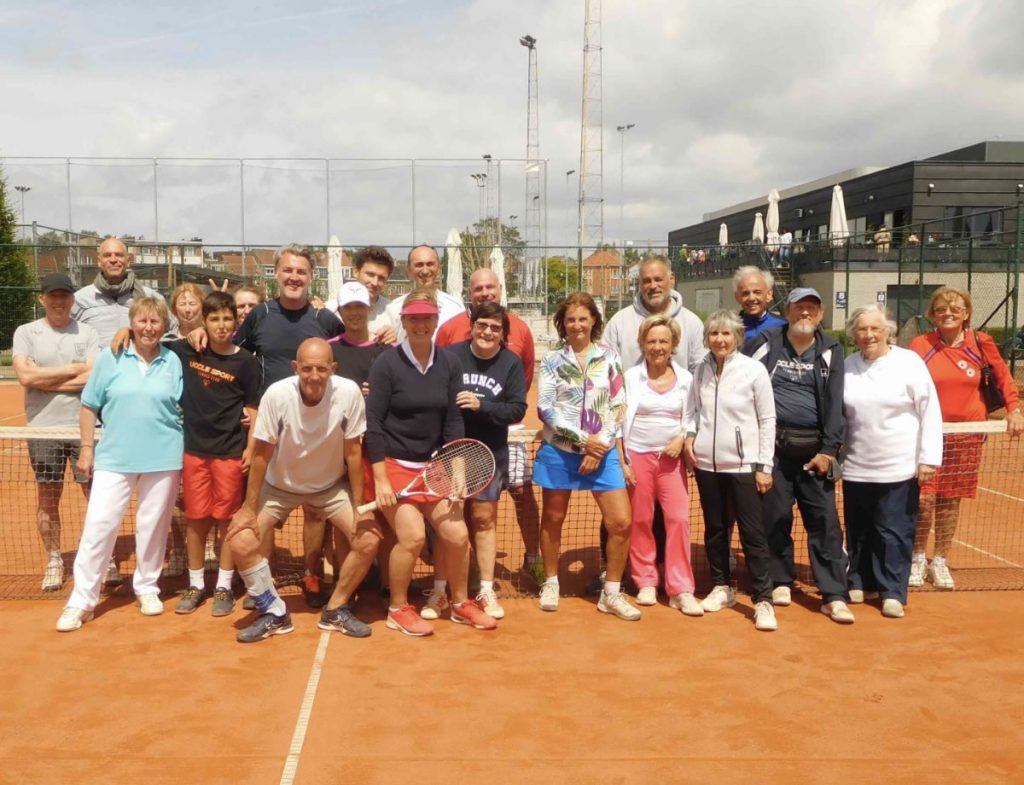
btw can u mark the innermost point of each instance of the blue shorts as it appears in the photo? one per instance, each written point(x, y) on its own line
point(558, 470)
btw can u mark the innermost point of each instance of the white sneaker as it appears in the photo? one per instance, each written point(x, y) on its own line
point(938, 572)
point(918, 570)
point(892, 609)
point(113, 576)
point(719, 597)
point(764, 617)
point(549, 597)
point(175, 563)
point(687, 603)
point(648, 595)
point(782, 596)
point(488, 600)
point(618, 605)
point(72, 618)
point(150, 605)
point(437, 603)
point(53, 575)
point(838, 611)
point(856, 596)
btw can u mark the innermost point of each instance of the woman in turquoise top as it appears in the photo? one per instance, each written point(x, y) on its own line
point(581, 400)
point(136, 394)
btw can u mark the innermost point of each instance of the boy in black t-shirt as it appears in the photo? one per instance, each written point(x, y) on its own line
point(218, 385)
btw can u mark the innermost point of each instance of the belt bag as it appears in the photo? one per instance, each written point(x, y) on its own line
point(797, 442)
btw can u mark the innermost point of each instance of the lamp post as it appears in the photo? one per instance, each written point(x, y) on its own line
point(622, 171)
point(568, 211)
point(22, 189)
point(481, 182)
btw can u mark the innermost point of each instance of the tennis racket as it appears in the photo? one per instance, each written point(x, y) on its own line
point(458, 470)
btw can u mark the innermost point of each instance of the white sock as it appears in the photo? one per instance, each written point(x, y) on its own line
point(552, 581)
point(224, 579)
point(440, 586)
point(55, 556)
point(486, 586)
point(196, 578)
point(611, 588)
point(260, 585)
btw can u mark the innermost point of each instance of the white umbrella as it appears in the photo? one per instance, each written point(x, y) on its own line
point(758, 236)
point(453, 244)
point(334, 275)
point(838, 229)
point(771, 220)
point(497, 259)
point(723, 235)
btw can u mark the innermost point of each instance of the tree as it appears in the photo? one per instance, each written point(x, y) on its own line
point(16, 284)
point(563, 278)
point(478, 242)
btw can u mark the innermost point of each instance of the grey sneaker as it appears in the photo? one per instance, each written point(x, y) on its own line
point(223, 602)
point(190, 600)
point(266, 625)
point(618, 605)
point(344, 620)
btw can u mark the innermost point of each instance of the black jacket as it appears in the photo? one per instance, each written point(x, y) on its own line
point(830, 361)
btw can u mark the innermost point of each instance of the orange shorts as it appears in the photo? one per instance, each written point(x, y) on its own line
point(214, 487)
point(400, 476)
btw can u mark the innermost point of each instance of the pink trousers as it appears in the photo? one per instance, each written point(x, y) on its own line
point(662, 479)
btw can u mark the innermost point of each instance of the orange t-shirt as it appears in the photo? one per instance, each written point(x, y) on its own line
point(957, 374)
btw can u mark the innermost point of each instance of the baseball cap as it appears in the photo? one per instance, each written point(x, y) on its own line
point(802, 293)
point(57, 282)
point(353, 292)
point(419, 308)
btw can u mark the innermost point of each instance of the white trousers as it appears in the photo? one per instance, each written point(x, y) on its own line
point(111, 492)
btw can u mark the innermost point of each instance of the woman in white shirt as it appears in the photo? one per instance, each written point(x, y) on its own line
point(731, 442)
point(657, 391)
point(893, 442)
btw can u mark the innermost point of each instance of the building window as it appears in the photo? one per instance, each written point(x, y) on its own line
point(268, 270)
point(972, 222)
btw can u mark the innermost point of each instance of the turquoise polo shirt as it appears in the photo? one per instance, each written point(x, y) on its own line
point(139, 407)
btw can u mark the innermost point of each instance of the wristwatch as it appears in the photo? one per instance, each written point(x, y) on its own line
point(762, 467)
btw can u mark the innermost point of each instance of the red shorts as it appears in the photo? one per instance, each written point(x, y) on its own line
point(400, 476)
point(214, 487)
point(957, 478)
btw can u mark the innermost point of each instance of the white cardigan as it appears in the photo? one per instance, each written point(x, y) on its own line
point(732, 417)
point(636, 379)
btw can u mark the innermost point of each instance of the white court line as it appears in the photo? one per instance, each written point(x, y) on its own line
point(291, 764)
point(990, 555)
point(1000, 493)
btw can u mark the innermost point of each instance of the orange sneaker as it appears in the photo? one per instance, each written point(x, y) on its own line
point(470, 613)
point(405, 619)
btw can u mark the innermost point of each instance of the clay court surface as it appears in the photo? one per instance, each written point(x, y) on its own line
point(571, 697)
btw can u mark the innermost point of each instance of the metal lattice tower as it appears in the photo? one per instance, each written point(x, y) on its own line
point(531, 282)
point(591, 204)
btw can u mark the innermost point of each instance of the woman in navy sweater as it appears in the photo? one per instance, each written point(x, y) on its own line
point(410, 412)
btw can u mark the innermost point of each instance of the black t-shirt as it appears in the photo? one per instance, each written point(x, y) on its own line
point(274, 334)
point(796, 404)
point(354, 360)
point(500, 384)
point(214, 390)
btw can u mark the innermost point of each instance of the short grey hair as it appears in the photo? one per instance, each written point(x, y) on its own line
point(727, 319)
point(295, 250)
point(873, 308)
point(749, 269)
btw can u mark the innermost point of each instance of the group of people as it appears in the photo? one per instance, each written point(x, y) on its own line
point(256, 407)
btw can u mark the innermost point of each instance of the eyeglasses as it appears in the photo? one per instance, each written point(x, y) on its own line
point(956, 310)
point(484, 327)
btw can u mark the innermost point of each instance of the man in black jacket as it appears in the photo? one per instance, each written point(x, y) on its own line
point(806, 368)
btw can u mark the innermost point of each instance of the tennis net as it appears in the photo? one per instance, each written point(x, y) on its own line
point(987, 550)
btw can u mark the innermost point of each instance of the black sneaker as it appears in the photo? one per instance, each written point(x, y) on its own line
point(344, 620)
point(266, 625)
point(190, 600)
point(312, 590)
point(223, 602)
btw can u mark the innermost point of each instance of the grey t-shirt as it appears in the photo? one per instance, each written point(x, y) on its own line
point(50, 347)
point(793, 384)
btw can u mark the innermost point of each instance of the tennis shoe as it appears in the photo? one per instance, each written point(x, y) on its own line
point(223, 602)
point(938, 572)
point(266, 625)
point(648, 595)
point(313, 591)
point(488, 600)
point(764, 617)
point(618, 605)
point(406, 620)
point(53, 575)
point(190, 600)
point(719, 597)
point(838, 611)
point(782, 596)
point(470, 613)
point(687, 604)
point(344, 621)
point(149, 604)
point(437, 603)
point(113, 576)
point(892, 609)
point(72, 618)
point(918, 570)
point(549, 597)
point(856, 596)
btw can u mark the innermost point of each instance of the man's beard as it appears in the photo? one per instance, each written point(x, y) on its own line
point(800, 328)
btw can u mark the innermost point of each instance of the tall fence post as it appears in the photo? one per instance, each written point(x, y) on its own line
point(920, 270)
point(1016, 278)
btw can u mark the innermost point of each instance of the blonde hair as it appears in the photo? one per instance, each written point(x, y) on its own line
point(150, 305)
point(660, 320)
point(724, 318)
point(421, 295)
point(948, 295)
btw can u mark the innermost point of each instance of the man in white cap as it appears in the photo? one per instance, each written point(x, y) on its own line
point(423, 268)
point(373, 265)
point(356, 348)
point(806, 367)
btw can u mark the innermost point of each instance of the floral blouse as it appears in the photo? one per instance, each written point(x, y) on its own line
point(573, 404)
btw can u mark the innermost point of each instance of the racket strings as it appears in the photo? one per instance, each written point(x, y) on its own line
point(462, 468)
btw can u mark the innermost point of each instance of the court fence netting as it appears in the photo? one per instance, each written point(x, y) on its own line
point(987, 551)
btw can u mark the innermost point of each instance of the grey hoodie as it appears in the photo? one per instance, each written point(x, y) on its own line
point(623, 330)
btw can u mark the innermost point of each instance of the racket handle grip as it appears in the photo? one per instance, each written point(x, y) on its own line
point(368, 507)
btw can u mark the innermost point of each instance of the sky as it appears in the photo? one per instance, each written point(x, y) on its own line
point(729, 100)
